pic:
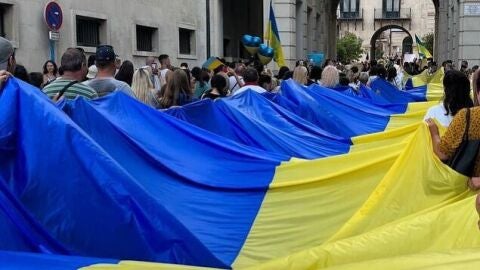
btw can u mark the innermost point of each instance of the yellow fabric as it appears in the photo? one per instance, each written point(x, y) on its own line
point(453, 260)
point(434, 91)
point(309, 188)
point(420, 79)
point(365, 209)
point(131, 265)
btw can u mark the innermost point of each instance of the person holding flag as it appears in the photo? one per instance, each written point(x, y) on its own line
point(272, 38)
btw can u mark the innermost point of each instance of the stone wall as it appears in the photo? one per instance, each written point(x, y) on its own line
point(26, 27)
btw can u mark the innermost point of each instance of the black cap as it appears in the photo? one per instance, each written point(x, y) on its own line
point(105, 53)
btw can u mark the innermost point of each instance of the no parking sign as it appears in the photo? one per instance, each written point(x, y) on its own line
point(53, 15)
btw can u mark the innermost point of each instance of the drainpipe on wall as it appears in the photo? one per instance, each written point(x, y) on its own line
point(208, 28)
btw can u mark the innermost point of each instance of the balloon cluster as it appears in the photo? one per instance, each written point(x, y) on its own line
point(254, 47)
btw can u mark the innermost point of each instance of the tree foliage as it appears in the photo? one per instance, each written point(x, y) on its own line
point(429, 39)
point(349, 48)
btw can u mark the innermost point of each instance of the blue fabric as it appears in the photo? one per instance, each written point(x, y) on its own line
point(249, 118)
point(331, 110)
point(409, 84)
point(393, 95)
point(30, 261)
point(154, 154)
point(89, 203)
point(114, 178)
point(19, 229)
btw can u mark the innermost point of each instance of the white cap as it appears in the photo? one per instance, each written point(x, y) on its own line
point(92, 72)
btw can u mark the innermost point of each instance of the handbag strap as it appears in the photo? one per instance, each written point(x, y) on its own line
point(64, 89)
point(467, 128)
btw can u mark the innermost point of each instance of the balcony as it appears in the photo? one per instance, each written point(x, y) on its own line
point(354, 18)
point(402, 16)
point(350, 16)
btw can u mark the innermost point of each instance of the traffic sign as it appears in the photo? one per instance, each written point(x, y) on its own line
point(55, 36)
point(53, 15)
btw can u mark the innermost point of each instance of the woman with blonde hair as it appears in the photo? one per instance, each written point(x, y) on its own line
point(143, 88)
point(330, 77)
point(300, 75)
point(177, 91)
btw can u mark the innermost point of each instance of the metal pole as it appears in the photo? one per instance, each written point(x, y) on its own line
point(52, 50)
point(208, 29)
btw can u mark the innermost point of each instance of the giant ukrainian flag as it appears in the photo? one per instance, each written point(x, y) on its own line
point(272, 38)
point(310, 178)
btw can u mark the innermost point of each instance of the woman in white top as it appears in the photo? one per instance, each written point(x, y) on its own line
point(456, 97)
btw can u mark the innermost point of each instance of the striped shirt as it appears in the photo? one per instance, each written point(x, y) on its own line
point(72, 92)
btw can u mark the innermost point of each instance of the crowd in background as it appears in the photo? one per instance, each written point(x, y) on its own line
point(161, 85)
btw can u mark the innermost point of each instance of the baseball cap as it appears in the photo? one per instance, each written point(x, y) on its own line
point(105, 53)
point(92, 72)
point(6, 50)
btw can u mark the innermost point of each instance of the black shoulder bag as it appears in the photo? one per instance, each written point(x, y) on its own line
point(464, 159)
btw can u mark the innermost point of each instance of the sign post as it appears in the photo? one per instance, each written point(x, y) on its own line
point(53, 16)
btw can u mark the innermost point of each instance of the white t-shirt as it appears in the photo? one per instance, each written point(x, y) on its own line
point(255, 88)
point(233, 84)
point(163, 76)
point(438, 112)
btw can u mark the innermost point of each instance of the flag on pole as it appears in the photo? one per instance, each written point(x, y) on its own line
point(273, 38)
point(422, 50)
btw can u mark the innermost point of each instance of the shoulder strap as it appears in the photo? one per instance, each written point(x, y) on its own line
point(467, 128)
point(64, 89)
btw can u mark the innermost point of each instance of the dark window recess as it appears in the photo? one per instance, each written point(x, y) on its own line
point(391, 8)
point(145, 38)
point(3, 10)
point(185, 40)
point(349, 8)
point(88, 31)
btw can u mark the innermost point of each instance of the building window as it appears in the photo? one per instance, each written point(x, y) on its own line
point(88, 31)
point(391, 8)
point(349, 8)
point(186, 41)
point(6, 21)
point(145, 37)
point(2, 20)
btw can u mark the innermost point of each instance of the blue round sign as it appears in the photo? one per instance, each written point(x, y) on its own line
point(53, 16)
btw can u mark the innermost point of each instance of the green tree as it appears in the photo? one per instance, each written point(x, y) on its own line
point(429, 39)
point(349, 48)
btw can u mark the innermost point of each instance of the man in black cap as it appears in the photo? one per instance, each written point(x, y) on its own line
point(105, 83)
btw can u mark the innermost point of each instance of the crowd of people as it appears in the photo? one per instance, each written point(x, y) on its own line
point(161, 86)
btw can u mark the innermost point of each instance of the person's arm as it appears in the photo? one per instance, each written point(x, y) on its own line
point(436, 139)
point(231, 72)
point(451, 140)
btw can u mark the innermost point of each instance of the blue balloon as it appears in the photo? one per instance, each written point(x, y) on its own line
point(247, 40)
point(256, 41)
point(266, 51)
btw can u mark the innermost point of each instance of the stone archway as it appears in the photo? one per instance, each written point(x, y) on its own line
point(376, 35)
point(332, 6)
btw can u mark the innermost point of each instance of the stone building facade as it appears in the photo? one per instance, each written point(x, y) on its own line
point(389, 26)
point(136, 29)
point(187, 30)
point(191, 30)
point(458, 31)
